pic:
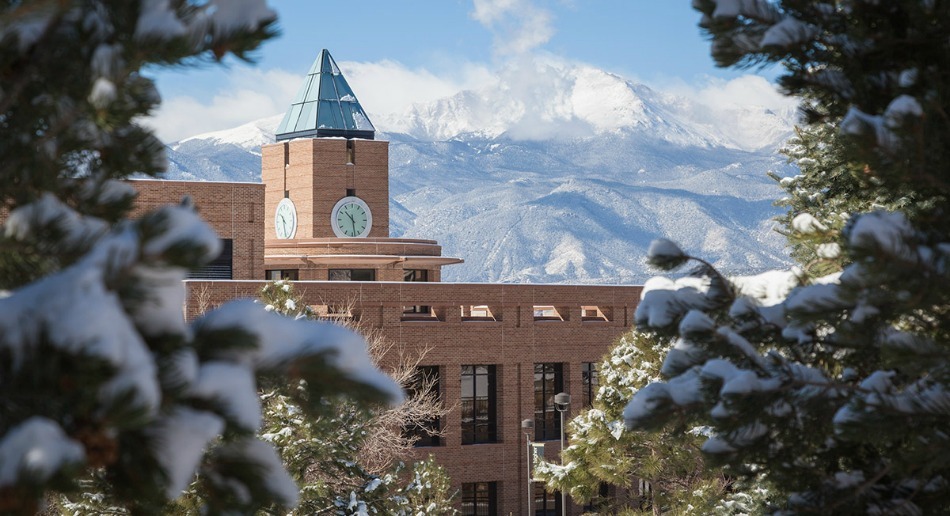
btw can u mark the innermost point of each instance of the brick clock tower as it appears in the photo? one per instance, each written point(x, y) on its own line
point(326, 199)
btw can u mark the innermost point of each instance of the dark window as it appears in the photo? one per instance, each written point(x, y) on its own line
point(548, 381)
point(426, 376)
point(415, 275)
point(283, 274)
point(598, 502)
point(479, 499)
point(220, 267)
point(352, 275)
point(351, 192)
point(478, 404)
point(350, 152)
point(420, 275)
point(546, 503)
point(591, 379)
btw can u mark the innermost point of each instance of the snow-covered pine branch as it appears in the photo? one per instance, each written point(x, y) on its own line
point(102, 381)
point(829, 382)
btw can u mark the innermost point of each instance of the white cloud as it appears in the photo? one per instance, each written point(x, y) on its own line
point(533, 96)
point(518, 26)
point(720, 94)
point(387, 87)
point(251, 94)
point(384, 88)
point(748, 110)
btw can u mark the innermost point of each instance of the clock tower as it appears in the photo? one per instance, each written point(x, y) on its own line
point(327, 173)
point(326, 193)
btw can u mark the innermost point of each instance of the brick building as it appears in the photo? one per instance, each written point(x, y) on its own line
point(499, 351)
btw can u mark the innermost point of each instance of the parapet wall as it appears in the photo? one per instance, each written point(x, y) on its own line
point(510, 326)
point(234, 210)
point(382, 304)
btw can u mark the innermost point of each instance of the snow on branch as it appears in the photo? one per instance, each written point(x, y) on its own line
point(787, 33)
point(885, 232)
point(756, 9)
point(664, 301)
point(271, 474)
point(75, 313)
point(230, 15)
point(36, 449)
point(178, 442)
point(665, 254)
point(49, 214)
point(282, 340)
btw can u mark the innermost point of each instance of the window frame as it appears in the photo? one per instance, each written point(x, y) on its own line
point(545, 503)
point(590, 378)
point(548, 381)
point(221, 268)
point(482, 425)
point(349, 274)
point(425, 438)
point(475, 492)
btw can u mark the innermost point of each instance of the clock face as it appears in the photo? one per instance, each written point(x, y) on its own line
point(351, 218)
point(285, 219)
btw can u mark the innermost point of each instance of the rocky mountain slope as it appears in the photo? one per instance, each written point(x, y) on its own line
point(568, 184)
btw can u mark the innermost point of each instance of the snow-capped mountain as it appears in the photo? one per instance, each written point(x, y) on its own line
point(566, 182)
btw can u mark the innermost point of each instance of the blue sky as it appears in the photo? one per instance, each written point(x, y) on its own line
point(445, 45)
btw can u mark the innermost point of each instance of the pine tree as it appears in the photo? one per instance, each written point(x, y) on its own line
point(831, 388)
point(101, 377)
point(603, 451)
point(349, 459)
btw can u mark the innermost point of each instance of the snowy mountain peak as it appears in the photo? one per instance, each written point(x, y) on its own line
point(249, 136)
point(562, 173)
point(544, 100)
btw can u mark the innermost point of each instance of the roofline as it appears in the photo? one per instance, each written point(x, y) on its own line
point(319, 133)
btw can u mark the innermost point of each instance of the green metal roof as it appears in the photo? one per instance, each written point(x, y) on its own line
point(325, 106)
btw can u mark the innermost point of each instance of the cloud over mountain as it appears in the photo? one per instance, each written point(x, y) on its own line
point(561, 172)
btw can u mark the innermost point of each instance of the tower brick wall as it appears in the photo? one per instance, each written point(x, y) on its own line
point(234, 210)
point(317, 172)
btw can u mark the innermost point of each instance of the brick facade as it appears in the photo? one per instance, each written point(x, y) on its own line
point(233, 210)
point(512, 327)
point(513, 340)
point(315, 173)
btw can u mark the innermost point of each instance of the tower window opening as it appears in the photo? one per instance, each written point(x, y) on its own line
point(351, 192)
point(350, 153)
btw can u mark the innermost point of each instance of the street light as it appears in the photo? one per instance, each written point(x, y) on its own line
point(562, 402)
point(527, 425)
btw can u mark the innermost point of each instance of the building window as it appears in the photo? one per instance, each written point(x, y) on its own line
point(352, 274)
point(478, 404)
point(283, 274)
point(426, 432)
point(591, 379)
point(546, 503)
point(548, 381)
point(480, 499)
point(597, 503)
point(415, 275)
point(219, 268)
point(420, 275)
point(350, 153)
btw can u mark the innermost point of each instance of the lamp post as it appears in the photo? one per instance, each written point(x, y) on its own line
point(562, 402)
point(527, 425)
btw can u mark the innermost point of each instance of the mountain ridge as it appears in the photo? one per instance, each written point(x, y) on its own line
point(522, 204)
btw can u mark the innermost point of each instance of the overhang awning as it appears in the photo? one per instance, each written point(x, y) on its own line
point(362, 259)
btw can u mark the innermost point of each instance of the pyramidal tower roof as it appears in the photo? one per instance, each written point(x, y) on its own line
point(325, 106)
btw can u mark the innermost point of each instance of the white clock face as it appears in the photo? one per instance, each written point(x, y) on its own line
point(285, 219)
point(351, 218)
